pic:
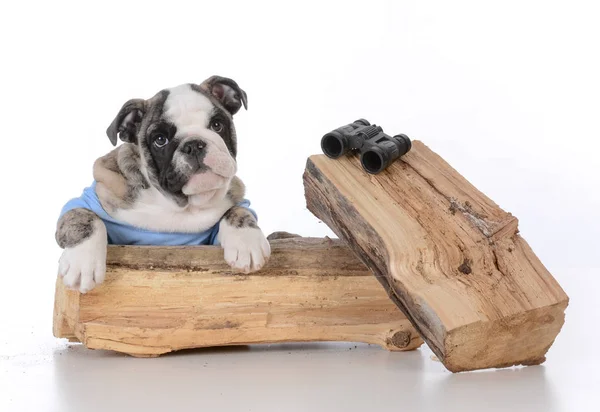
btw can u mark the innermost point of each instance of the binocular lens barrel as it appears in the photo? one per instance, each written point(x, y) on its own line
point(379, 157)
point(334, 145)
point(374, 160)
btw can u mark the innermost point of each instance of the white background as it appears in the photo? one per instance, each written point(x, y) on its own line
point(507, 92)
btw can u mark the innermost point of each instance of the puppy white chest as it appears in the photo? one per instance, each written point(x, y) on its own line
point(154, 211)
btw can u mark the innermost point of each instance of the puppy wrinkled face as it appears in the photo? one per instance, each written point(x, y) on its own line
point(188, 144)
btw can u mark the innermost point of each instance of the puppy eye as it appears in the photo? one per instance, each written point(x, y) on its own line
point(160, 140)
point(216, 125)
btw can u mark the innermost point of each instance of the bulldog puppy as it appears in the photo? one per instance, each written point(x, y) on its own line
point(173, 182)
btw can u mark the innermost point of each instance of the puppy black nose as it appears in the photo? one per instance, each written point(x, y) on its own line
point(193, 147)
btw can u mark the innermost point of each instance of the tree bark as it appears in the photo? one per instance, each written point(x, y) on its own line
point(449, 257)
point(161, 299)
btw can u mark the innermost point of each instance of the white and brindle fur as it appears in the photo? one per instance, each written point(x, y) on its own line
point(176, 172)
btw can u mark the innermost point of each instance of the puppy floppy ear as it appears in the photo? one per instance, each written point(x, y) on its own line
point(126, 124)
point(227, 92)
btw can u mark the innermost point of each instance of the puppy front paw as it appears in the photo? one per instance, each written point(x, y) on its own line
point(246, 249)
point(83, 266)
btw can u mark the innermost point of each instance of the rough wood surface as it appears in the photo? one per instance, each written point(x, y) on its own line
point(448, 256)
point(160, 299)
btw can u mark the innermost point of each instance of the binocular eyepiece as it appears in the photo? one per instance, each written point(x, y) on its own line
point(377, 149)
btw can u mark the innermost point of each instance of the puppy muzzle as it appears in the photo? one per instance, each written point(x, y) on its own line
point(213, 168)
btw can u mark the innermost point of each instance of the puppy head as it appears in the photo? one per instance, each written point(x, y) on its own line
point(186, 138)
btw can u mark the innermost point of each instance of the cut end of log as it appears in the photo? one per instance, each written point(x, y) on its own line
point(400, 339)
point(522, 339)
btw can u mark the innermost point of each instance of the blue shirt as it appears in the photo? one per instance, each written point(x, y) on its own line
point(121, 233)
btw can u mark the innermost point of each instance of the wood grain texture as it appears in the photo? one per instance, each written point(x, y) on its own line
point(447, 255)
point(160, 299)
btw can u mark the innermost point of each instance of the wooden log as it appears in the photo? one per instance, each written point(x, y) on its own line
point(447, 255)
point(161, 299)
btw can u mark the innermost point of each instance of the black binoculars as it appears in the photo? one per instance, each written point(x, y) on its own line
point(377, 149)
